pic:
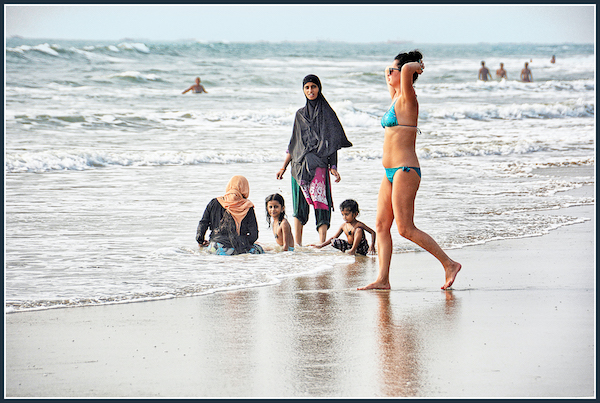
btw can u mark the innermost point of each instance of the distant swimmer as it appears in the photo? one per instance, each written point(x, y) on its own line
point(501, 73)
point(484, 73)
point(553, 60)
point(526, 75)
point(196, 88)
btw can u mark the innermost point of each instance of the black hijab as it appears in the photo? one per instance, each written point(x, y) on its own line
point(317, 134)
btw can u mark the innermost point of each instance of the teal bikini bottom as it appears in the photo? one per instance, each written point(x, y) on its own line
point(389, 172)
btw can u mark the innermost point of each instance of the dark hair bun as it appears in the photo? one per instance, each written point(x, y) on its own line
point(408, 57)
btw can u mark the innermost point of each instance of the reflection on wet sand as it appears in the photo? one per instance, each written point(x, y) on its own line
point(398, 351)
point(324, 329)
point(400, 346)
point(316, 344)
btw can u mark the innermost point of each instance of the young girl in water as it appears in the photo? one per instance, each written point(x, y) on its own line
point(275, 206)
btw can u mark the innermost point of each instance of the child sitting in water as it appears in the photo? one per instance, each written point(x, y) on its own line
point(282, 229)
point(354, 230)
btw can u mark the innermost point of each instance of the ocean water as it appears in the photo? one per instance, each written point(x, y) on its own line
point(108, 167)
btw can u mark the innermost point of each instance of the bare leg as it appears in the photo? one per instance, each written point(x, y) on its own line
point(358, 235)
point(404, 192)
point(298, 231)
point(383, 223)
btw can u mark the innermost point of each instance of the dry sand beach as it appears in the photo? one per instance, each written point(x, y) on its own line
point(520, 322)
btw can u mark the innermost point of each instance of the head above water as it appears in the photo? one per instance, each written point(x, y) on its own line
point(408, 57)
point(311, 85)
point(311, 78)
point(238, 185)
point(350, 205)
point(275, 197)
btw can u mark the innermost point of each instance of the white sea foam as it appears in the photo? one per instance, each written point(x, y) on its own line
point(90, 55)
point(140, 47)
point(350, 116)
point(566, 109)
point(43, 48)
point(57, 160)
point(136, 75)
point(46, 161)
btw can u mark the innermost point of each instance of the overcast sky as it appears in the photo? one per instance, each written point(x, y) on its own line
point(349, 23)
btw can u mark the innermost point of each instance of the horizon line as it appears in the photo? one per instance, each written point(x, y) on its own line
point(226, 41)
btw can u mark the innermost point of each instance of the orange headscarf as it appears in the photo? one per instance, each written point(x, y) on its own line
point(235, 199)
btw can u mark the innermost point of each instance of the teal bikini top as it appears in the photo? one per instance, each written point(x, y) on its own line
point(389, 118)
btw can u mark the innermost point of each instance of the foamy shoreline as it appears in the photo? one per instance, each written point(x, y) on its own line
point(519, 323)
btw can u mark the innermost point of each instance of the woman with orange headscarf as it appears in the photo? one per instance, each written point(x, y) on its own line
point(232, 221)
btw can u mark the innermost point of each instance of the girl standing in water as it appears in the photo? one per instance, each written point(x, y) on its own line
point(396, 199)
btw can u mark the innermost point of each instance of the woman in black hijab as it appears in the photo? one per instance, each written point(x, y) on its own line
point(316, 137)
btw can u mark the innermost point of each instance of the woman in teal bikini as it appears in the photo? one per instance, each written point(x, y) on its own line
point(396, 200)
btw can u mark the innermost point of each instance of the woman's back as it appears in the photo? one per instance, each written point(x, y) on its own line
point(224, 230)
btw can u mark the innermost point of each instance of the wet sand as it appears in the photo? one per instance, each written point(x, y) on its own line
point(519, 322)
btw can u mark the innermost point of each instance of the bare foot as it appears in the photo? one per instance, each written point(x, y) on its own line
point(376, 286)
point(451, 273)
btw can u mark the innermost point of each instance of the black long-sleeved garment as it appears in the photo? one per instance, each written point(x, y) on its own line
point(226, 234)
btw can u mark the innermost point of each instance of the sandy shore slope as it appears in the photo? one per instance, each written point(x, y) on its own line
point(520, 321)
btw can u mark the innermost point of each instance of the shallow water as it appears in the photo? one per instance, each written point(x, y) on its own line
point(108, 168)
